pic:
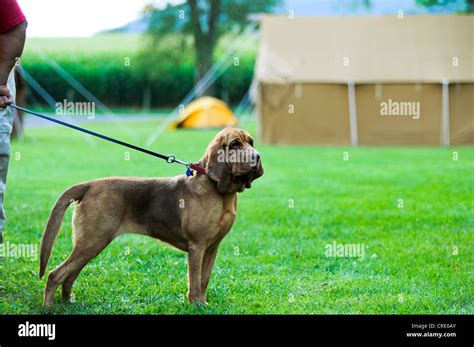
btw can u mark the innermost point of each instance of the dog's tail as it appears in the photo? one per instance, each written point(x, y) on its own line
point(75, 193)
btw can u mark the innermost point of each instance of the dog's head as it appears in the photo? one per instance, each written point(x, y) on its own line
point(232, 161)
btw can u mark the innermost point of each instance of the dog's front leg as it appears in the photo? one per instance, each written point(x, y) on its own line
point(207, 264)
point(195, 257)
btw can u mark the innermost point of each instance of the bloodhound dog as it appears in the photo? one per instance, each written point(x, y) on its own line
point(193, 213)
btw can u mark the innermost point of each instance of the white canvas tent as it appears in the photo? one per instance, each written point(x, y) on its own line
point(324, 80)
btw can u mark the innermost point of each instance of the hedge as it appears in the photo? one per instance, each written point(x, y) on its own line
point(120, 80)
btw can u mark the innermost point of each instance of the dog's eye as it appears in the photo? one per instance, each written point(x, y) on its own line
point(250, 141)
point(234, 143)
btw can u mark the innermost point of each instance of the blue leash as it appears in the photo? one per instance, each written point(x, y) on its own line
point(170, 158)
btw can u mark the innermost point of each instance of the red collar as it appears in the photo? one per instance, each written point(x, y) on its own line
point(197, 168)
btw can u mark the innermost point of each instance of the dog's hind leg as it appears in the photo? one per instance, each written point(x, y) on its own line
point(68, 271)
point(67, 284)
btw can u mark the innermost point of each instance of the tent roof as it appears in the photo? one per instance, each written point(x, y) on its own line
point(378, 49)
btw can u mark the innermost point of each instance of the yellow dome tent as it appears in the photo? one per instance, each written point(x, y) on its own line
point(205, 112)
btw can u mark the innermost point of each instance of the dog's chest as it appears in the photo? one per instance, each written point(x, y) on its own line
point(208, 216)
point(229, 213)
point(226, 218)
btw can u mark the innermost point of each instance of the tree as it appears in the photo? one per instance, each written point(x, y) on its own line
point(469, 4)
point(206, 20)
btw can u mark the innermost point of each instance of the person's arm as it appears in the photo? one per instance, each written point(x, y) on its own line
point(11, 48)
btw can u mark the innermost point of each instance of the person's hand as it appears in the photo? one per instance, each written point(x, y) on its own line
point(5, 96)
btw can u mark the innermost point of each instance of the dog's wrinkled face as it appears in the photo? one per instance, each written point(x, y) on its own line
point(232, 161)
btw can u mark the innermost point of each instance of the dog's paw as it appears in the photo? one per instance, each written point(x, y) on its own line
point(198, 302)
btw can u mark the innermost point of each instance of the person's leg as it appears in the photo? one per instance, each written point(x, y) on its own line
point(6, 121)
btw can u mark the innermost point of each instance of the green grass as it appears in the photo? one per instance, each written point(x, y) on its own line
point(97, 44)
point(115, 42)
point(273, 260)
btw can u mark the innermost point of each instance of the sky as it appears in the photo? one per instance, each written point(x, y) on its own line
point(80, 17)
point(49, 18)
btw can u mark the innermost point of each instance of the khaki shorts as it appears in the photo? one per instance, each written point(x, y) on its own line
point(6, 124)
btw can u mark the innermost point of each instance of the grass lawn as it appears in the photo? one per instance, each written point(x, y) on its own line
point(417, 259)
point(96, 44)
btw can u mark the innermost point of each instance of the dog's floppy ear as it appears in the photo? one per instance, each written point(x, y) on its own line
point(217, 170)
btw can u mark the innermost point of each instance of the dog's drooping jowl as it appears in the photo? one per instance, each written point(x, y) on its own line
point(192, 214)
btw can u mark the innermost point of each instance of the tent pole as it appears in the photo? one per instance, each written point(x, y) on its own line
point(352, 113)
point(445, 112)
point(258, 112)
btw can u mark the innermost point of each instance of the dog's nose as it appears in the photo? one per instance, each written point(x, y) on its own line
point(256, 156)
